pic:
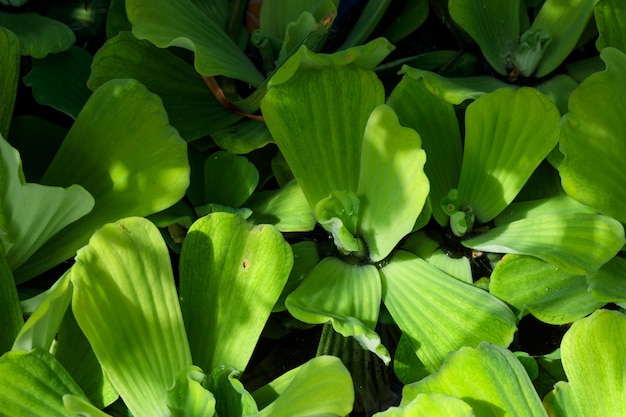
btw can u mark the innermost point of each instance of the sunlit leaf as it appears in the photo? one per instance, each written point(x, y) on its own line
point(32, 213)
point(392, 184)
point(243, 137)
point(577, 243)
point(502, 149)
point(9, 74)
point(493, 24)
point(317, 107)
point(435, 121)
point(430, 405)
point(321, 387)
point(43, 324)
point(33, 385)
point(230, 279)
point(346, 295)
point(591, 139)
point(552, 295)
point(191, 107)
point(593, 358)
point(38, 35)
point(126, 303)
point(489, 378)
point(184, 25)
point(59, 80)
point(339, 214)
point(610, 18)
point(78, 405)
point(428, 304)
point(188, 396)
point(124, 152)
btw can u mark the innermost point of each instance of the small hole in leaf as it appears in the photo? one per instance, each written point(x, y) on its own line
point(246, 264)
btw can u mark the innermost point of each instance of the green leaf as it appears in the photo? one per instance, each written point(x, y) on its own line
point(188, 396)
point(346, 295)
point(126, 303)
point(610, 18)
point(338, 214)
point(411, 17)
point(191, 107)
point(74, 352)
point(316, 108)
point(489, 378)
point(563, 21)
point(502, 149)
point(33, 385)
point(38, 35)
point(591, 133)
point(558, 89)
point(286, 209)
point(577, 243)
point(593, 358)
point(305, 258)
point(321, 387)
point(184, 25)
point(231, 396)
point(136, 166)
point(392, 185)
point(42, 326)
point(406, 365)
point(436, 122)
point(607, 284)
point(77, 405)
point(431, 405)
point(369, 18)
point(11, 320)
point(428, 304)
point(454, 90)
point(493, 24)
point(243, 137)
point(32, 213)
point(276, 15)
point(9, 74)
point(59, 80)
point(230, 279)
point(229, 179)
point(548, 293)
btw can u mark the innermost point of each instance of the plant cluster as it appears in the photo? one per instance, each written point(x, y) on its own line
point(202, 177)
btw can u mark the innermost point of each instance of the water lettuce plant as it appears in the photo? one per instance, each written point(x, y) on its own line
point(324, 207)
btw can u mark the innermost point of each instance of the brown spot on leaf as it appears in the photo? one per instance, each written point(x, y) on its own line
point(246, 264)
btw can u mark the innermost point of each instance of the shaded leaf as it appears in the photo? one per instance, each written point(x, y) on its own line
point(392, 185)
point(191, 107)
point(243, 137)
point(435, 121)
point(11, 320)
point(369, 18)
point(184, 25)
point(135, 167)
point(493, 24)
point(60, 80)
point(229, 179)
point(607, 284)
point(9, 74)
point(591, 139)
point(412, 16)
point(230, 279)
point(126, 303)
point(428, 304)
point(610, 18)
point(188, 396)
point(38, 35)
point(231, 396)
